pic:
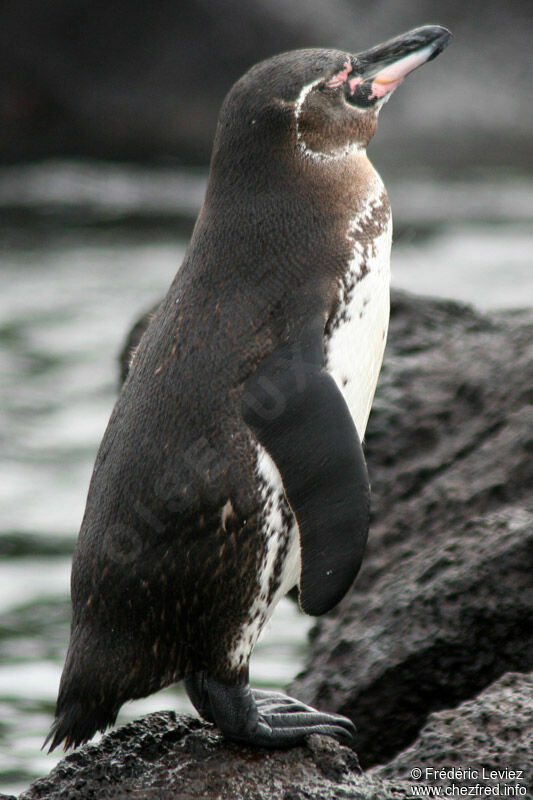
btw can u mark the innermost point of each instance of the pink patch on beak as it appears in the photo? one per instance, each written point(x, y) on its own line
point(354, 83)
point(390, 77)
point(380, 89)
point(340, 77)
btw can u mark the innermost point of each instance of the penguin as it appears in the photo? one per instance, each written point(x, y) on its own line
point(232, 469)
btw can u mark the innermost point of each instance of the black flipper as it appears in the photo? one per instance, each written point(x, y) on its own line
point(298, 414)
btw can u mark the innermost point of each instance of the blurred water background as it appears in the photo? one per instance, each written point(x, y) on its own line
point(87, 245)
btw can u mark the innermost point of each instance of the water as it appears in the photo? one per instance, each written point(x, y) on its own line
point(84, 250)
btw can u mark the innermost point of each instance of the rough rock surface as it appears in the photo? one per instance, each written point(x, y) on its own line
point(491, 734)
point(443, 605)
point(132, 342)
point(165, 757)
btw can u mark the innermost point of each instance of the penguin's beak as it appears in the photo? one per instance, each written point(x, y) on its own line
point(377, 72)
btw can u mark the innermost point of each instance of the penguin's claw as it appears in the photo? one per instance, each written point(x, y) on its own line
point(270, 719)
point(289, 727)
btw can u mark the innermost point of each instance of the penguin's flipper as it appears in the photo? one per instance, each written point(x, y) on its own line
point(299, 415)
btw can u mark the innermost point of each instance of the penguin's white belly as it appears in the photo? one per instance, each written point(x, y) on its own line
point(355, 347)
point(281, 557)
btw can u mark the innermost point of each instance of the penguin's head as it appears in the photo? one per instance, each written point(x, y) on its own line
point(322, 104)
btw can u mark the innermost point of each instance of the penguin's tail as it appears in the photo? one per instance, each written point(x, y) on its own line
point(76, 722)
point(87, 701)
point(61, 730)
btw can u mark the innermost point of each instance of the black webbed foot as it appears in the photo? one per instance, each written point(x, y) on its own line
point(263, 719)
point(196, 688)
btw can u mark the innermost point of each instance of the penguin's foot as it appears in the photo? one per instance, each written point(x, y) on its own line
point(196, 687)
point(263, 719)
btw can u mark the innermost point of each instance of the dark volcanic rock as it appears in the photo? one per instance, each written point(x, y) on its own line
point(166, 757)
point(132, 342)
point(443, 605)
point(492, 735)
